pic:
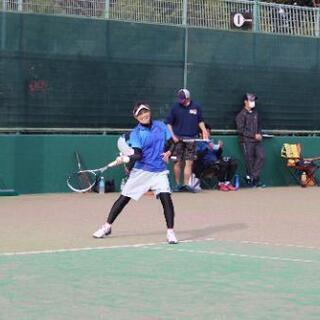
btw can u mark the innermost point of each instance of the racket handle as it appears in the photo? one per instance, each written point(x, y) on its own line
point(196, 140)
point(112, 164)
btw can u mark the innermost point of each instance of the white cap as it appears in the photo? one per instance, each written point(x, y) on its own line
point(141, 107)
point(183, 94)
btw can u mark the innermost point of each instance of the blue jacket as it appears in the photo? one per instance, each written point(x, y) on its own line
point(208, 155)
point(151, 141)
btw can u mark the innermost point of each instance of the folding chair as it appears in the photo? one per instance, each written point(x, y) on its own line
point(303, 170)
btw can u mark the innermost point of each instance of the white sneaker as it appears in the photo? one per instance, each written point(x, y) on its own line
point(102, 232)
point(171, 237)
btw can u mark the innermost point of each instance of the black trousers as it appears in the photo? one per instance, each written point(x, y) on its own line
point(254, 158)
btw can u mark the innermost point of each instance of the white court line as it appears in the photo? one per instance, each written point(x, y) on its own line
point(231, 254)
point(145, 245)
point(25, 253)
point(265, 243)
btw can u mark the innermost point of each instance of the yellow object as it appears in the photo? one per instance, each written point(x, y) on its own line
point(292, 152)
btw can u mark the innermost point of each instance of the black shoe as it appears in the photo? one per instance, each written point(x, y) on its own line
point(186, 188)
point(260, 185)
point(249, 182)
point(257, 183)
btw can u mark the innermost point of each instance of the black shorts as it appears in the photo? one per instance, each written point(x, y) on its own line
point(185, 151)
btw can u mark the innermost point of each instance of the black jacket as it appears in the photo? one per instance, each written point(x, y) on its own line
point(248, 125)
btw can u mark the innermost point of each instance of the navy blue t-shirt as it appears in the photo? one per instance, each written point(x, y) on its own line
point(185, 120)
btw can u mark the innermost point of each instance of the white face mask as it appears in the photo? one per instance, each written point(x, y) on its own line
point(252, 104)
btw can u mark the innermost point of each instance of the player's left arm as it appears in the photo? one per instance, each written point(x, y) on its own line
point(137, 150)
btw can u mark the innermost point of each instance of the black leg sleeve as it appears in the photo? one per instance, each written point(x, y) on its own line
point(221, 173)
point(168, 209)
point(117, 208)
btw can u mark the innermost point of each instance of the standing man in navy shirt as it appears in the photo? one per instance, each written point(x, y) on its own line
point(184, 121)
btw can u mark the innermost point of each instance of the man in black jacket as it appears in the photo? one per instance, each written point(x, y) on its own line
point(250, 138)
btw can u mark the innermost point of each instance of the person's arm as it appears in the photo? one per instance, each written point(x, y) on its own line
point(169, 145)
point(202, 150)
point(258, 135)
point(137, 148)
point(203, 130)
point(174, 137)
point(240, 123)
point(201, 124)
point(168, 150)
point(132, 159)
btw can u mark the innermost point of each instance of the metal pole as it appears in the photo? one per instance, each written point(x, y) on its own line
point(186, 48)
point(20, 7)
point(107, 9)
point(3, 25)
point(184, 12)
point(256, 17)
point(317, 21)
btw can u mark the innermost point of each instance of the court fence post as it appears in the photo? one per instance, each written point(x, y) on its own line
point(107, 9)
point(186, 40)
point(256, 16)
point(317, 22)
point(20, 5)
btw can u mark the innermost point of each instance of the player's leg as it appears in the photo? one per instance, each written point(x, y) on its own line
point(117, 207)
point(258, 161)
point(190, 154)
point(187, 171)
point(178, 153)
point(168, 210)
point(161, 187)
point(137, 184)
point(248, 154)
point(177, 171)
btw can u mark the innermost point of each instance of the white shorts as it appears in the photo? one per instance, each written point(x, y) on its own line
point(140, 182)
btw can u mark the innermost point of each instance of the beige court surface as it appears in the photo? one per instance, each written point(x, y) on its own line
point(284, 215)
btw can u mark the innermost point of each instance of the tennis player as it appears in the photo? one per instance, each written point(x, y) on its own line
point(148, 139)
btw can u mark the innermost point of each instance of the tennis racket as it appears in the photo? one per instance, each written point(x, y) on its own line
point(85, 177)
point(77, 156)
point(83, 180)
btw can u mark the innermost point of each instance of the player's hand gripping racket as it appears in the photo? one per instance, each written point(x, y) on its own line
point(84, 180)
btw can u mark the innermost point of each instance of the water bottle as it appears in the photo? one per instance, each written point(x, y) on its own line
point(101, 185)
point(303, 179)
point(236, 181)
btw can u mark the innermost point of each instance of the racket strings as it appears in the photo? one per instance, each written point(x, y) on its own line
point(82, 181)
